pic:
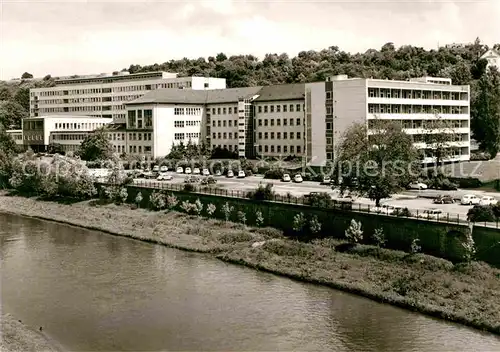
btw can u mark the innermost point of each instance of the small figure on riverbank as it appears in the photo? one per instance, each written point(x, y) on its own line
point(40, 328)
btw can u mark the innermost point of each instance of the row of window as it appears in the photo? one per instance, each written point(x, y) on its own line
point(278, 135)
point(415, 94)
point(33, 137)
point(136, 136)
point(183, 136)
point(181, 124)
point(286, 122)
point(187, 111)
point(416, 109)
point(225, 135)
point(32, 125)
point(225, 110)
point(292, 149)
point(277, 108)
point(426, 124)
point(139, 149)
point(78, 125)
point(68, 137)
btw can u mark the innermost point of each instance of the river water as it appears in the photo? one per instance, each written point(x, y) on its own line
point(95, 292)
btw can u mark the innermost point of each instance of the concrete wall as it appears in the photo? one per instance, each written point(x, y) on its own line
point(317, 154)
point(436, 238)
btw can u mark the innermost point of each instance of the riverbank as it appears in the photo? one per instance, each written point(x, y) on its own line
point(17, 337)
point(466, 294)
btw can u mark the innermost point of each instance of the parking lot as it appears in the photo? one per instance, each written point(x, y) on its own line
point(413, 200)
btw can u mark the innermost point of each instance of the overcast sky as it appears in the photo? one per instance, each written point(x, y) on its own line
point(84, 37)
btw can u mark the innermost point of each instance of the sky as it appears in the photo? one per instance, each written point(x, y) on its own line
point(86, 37)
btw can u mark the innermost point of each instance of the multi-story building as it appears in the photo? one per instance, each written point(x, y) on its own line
point(297, 119)
point(493, 58)
point(17, 136)
point(66, 131)
point(104, 95)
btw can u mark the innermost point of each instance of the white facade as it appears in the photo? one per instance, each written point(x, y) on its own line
point(224, 125)
point(67, 131)
point(153, 129)
point(493, 58)
point(103, 96)
point(17, 136)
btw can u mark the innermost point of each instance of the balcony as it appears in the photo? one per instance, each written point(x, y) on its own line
point(421, 101)
point(416, 116)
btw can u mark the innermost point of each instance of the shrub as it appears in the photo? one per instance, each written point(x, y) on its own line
point(171, 201)
point(138, 199)
point(496, 209)
point(187, 207)
point(481, 213)
point(320, 200)
point(157, 200)
point(259, 218)
point(299, 221)
point(379, 237)
point(227, 210)
point(469, 247)
point(198, 207)
point(274, 174)
point(123, 195)
point(404, 212)
point(242, 217)
point(414, 246)
point(211, 209)
point(262, 192)
point(189, 187)
point(314, 225)
point(354, 233)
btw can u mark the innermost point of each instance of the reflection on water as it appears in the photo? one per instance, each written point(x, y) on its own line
point(96, 292)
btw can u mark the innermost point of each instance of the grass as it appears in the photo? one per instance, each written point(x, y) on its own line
point(467, 294)
point(16, 337)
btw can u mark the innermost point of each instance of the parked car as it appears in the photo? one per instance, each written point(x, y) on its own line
point(148, 174)
point(163, 168)
point(179, 170)
point(443, 199)
point(470, 199)
point(417, 185)
point(326, 181)
point(218, 173)
point(191, 179)
point(196, 171)
point(298, 178)
point(241, 174)
point(384, 209)
point(156, 168)
point(487, 200)
point(230, 173)
point(187, 170)
point(286, 178)
point(164, 177)
point(205, 172)
point(208, 180)
point(431, 214)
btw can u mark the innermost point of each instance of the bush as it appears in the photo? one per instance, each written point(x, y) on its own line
point(354, 233)
point(299, 221)
point(242, 217)
point(171, 201)
point(157, 200)
point(274, 174)
point(123, 195)
point(211, 209)
point(314, 225)
point(469, 182)
point(379, 237)
point(262, 193)
point(259, 218)
point(198, 207)
point(320, 200)
point(414, 246)
point(404, 212)
point(227, 210)
point(138, 199)
point(189, 187)
point(480, 213)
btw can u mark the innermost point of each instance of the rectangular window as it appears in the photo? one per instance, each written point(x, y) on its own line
point(148, 118)
point(278, 135)
point(298, 135)
point(278, 122)
point(230, 110)
point(266, 135)
point(299, 149)
point(272, 135)
point(260, 135)
point(297, 107)
point(224, 111)
point(265, 122)
point(291, 135)
point(278, 108)
point(292, 150)
point(285, 135)
point(218, 111)
point(131, 119)
point(260, 109)
point(291, 107)
point(285, 108)
point(265, 109)
point(328, 95)
point(291, 122)
point(297, 122)
point(272, 122)
point(271, 108)
point(285, 122)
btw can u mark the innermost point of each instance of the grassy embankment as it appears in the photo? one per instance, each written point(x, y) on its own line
point(16, 337)
point(468, 294)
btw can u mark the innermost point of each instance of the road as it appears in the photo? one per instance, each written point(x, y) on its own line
point(413, 200)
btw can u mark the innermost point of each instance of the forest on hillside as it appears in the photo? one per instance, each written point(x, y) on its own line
point(461, 63)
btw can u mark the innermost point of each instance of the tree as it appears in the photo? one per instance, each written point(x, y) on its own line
point(5, 93)
point(26, 75)
point(377, 165)
point(11, 114)
point(22, 97)
point(439, 135)
point(95, 146)
point(485, 113)
point(55, 148)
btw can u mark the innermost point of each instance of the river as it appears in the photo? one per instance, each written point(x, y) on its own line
point(95, 292)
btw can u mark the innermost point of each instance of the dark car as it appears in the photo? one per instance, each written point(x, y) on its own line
point(209, 180)
point(444, 199)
